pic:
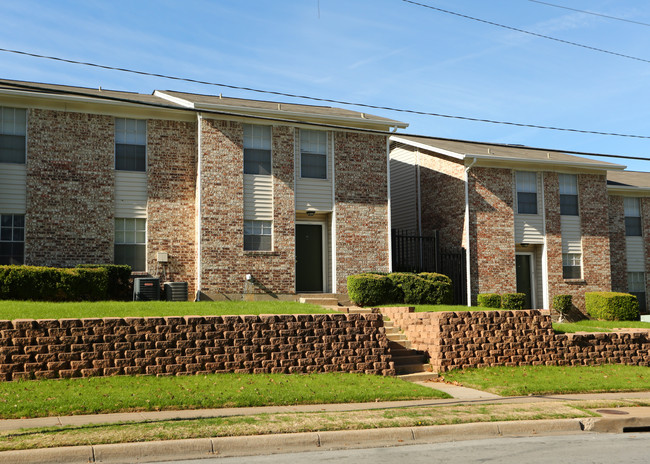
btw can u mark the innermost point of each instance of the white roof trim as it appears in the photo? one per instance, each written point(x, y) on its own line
point(424, 146)
point(627, 188)
point(177, 100)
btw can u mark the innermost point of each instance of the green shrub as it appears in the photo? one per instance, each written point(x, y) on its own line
point(612, 306)
point(399, 279)
point(489, 300)
point(119, 275)
point(562, 304)
point(419, 290)
point(513, 300)
point(435, 277)
point(370, 289)
point(52, 284)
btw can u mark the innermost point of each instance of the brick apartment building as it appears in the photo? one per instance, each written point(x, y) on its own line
point(242, 196)
point(534, 221)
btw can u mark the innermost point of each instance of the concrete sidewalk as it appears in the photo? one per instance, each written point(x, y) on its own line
point(613, 421)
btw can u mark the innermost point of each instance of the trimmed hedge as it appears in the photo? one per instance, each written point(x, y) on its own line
point(489, 300)
point(400, 287)
point(53, 284)
point(119, 275)
point(562, 304)
point(513, 300)
point(612, 306)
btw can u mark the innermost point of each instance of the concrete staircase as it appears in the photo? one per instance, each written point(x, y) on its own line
point(321, 300)
point(410, 364)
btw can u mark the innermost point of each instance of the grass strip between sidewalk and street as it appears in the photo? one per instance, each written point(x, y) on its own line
point(537, 380)
point(10, 310)
point(101, 395)
point(262, 424)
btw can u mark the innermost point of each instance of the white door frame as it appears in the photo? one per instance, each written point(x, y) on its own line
point(533, 282)
point(324, 247)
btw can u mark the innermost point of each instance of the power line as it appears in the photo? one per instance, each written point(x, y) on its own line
point(592, 13)
point(327, 100)
point(535, 34)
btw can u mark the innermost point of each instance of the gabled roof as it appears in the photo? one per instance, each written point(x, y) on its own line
point(269, 108)
point(628, 181)
point(502, 153)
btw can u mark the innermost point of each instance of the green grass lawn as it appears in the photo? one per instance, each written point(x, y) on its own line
point(438, 308)
point(98, 395)
point(48, 310)
point(536, 380)
point(598, 326)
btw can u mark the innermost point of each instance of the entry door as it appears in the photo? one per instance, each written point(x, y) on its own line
point(309, 258)
point(525, 282)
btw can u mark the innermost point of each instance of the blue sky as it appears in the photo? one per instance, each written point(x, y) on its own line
point(379, 52)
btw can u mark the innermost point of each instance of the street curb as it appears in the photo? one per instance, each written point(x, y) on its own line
point(288, 443)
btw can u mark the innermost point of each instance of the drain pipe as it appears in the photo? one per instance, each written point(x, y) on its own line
point(198, 221)
point(467, 253)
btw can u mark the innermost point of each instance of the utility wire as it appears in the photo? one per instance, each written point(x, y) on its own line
point(327, 100)
point(535, 34)
point(45, 90)
point(591, 13)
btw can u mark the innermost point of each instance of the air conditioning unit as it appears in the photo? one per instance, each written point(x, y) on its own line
point(146, 289)
point(175, 291)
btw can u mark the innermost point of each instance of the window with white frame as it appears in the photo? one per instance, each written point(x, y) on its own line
point(571, 266)
point(12, 239)
point(526, 192)
point(313, 154)
point(636, 286)
point(257, 235)
point(257, 149)
point(131, 243)
point(13, 135)
point(130, 144)
point(568, 194)
point(632, 208)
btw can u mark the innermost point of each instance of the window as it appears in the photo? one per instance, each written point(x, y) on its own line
point(13, 135)
point(12, 239)
point(130, 243)
point(257, 235)
point(130, 144)
point(568, 194)
point(257, 149)
point(632, 209)
point(526, 192)
point(571, 266)
point(636, 286)
point(313, 154)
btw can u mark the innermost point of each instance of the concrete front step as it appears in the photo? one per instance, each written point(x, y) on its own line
point(412, 368)
point(408, 359)
point(419, 376)
point(320, 300)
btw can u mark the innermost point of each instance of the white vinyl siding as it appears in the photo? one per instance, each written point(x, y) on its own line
point(634, 249)
point(314, 194)
point(529, 228)
point(130, 194)
point(403, 189)
point(258, 197)
point(13, 188)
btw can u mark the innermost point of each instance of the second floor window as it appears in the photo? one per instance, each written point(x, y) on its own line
point(130, 144)
point(13, 134)
point(313, 154)
point(568, 194)
point(632, 207)
point(257, 149)
point(526, 192)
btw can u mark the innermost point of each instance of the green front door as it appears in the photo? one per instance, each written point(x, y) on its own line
point(525, 278)
point(309, 258)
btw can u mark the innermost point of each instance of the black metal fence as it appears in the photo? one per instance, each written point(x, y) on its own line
point(419, 253)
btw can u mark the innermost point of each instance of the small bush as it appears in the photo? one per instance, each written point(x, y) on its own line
point(489, 300)
point(612, 306)
point(562, 304)
point(119, 285)
point(52, 284)
point(370, 289)
point(420, 290)
point(513, 300)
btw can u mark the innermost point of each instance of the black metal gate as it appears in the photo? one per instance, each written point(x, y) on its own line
point(419, 253)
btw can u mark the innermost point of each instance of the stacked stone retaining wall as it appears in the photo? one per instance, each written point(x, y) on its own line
point(512, 338)
point(62, 348)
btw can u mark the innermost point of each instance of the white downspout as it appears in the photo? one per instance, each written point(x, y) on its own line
point(198, 222)
point(467, 253)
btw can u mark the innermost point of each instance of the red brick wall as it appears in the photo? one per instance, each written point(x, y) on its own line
point(617, 252)
point(171, 184)
point(224, 261)
point(361, 180)
point(52, 348)
point(492, 231)
point(595, 231)
point(442, 182)
point(70, 185)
